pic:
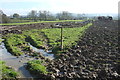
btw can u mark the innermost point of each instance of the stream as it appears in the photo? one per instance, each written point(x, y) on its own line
point(19, 63)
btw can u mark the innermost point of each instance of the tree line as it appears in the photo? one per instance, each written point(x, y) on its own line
point(34, 15)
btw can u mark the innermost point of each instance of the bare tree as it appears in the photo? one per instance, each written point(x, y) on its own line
point(33, 15)
point(4, 18)
point(64, 15)
point(46, 15)
point(42, 15)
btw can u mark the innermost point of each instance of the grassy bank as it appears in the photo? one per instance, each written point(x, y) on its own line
point(36, 67)
point(7, 72)
point(35, 38)
point(14, 43)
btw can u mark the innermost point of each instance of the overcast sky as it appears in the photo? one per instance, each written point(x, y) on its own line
point(74, 6)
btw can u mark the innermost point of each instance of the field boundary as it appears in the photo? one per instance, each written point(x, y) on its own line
point(6, 24)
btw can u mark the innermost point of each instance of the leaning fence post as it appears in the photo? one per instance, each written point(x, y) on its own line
point(61, 38)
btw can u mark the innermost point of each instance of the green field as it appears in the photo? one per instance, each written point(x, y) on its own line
point(17, 43)
point(38, 22)
point(19, 21)
point(70, 36)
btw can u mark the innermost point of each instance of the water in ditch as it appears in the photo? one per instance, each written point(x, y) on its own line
point(19, 63)
point(43, 52)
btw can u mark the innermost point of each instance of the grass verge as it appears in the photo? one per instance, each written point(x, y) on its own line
point(36, 67)
point(7, 72)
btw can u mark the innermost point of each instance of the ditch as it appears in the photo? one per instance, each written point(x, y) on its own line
point(19, 63)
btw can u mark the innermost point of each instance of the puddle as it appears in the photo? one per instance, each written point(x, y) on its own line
point(47, 54)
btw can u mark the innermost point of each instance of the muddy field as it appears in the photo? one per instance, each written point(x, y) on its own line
point(95, 56)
